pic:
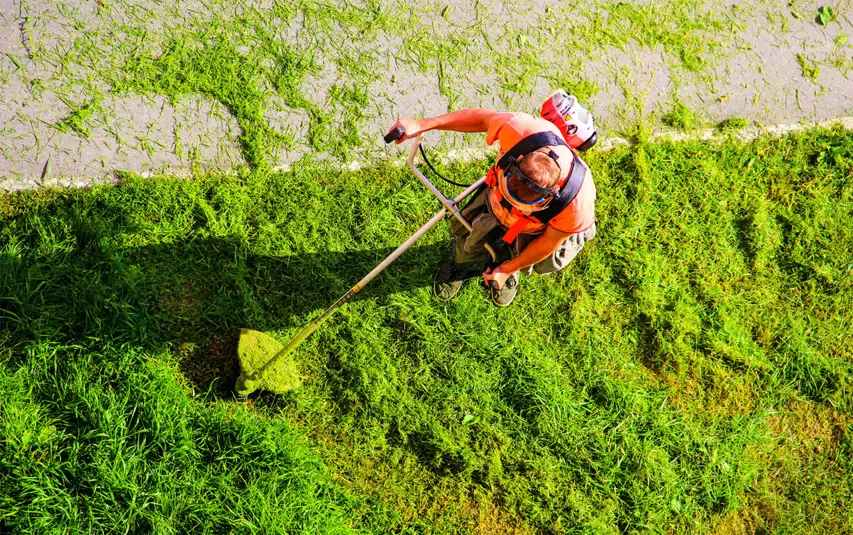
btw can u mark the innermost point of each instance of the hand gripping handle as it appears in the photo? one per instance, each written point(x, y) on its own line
point(395, 134)
point(492, 266)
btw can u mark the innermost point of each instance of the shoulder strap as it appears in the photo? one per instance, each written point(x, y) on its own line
point(567, 193)
point(529, 144)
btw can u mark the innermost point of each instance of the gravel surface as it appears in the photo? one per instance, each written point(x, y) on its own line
point(768, 62)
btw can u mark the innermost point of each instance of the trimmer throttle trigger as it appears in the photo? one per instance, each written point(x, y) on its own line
point(395, 134)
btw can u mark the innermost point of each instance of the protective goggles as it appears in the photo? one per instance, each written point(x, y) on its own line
point(513, 169)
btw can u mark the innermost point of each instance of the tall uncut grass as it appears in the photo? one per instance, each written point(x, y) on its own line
point(690, 372)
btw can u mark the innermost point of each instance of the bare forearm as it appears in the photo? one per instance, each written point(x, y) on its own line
point(467, 120)
point(536, 251)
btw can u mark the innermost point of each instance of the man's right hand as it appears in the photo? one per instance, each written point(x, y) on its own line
point(411, 128)
point(499, 274)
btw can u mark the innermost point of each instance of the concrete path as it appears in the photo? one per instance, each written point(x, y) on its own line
point(74, 108)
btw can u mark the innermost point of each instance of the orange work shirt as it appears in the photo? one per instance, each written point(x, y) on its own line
point(510, 128)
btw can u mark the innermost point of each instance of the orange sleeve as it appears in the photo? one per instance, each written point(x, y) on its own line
point(496, 125)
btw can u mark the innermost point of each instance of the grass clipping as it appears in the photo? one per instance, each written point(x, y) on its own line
point(261, 366)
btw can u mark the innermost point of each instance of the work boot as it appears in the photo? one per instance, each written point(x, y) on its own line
point(507, 293)
point(449, 280)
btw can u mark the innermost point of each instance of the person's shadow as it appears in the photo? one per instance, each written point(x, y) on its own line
point(76, 281)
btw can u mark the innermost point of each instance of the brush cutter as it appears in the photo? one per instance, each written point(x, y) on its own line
point(266, 364)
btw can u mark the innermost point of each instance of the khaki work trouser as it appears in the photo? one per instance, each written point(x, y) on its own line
point(471, 250)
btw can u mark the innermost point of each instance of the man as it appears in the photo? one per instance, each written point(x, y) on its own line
point(540, 201)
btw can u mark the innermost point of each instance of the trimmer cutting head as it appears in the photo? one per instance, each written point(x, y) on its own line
point(258, 370)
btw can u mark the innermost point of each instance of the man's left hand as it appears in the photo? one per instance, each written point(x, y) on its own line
point(497, 274)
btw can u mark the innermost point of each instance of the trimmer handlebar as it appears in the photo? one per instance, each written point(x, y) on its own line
point(451, 206)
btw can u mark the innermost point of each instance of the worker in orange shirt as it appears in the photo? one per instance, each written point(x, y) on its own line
point(540, 201)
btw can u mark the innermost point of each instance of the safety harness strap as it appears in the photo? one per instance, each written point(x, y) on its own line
point(516, 228)
point(567, 193)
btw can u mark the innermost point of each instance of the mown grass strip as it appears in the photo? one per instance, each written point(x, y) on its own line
point(667, 381)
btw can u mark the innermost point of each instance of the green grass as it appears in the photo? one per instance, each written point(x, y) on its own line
point(690, 372)
point(826, 15)
point(78, 117)
point(216, 71)
point(733, 124)
point(112, 441)
point(680, 116)
point(810, 70)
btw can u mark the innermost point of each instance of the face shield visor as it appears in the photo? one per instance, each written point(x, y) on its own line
point(523, 187)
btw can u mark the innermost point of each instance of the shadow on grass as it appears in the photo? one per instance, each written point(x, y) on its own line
point(188, 297)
